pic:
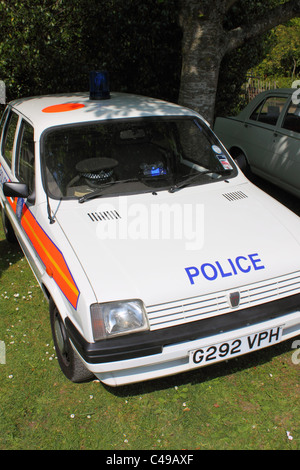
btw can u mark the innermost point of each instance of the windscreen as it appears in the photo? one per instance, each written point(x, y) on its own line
point(131, 156)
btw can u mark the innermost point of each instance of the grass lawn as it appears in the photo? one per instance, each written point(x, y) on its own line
point(250, 402)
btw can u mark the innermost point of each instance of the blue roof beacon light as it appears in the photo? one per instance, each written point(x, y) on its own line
point(99, 85)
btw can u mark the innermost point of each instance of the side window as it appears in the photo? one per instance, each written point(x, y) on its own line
point(256, 112)
point(292, 118)
point(3, 119)
point(25, 156)
point(9, 136)
point(269, 111)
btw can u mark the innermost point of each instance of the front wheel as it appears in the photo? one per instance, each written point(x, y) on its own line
point(68, 359)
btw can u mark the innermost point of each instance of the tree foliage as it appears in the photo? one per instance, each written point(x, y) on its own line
point(283, 59)
point(49, 46)
point(211, 32)
point(236, 63)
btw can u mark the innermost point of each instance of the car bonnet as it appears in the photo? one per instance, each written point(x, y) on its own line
point(171, 246)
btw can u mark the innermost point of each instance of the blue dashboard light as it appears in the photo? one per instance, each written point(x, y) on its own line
point(155, 171)
point(99, 85)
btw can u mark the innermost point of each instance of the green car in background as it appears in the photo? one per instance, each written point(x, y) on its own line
point(265, 137)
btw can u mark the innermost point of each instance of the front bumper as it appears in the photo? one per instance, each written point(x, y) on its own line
point(153, 354)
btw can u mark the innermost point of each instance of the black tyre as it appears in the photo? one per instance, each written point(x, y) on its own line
point(8, 230)
point(69, 361)
point(242, 163)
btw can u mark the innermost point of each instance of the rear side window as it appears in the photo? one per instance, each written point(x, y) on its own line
point(269, 111)
point(2, 121)
point(25, 156)
point(9, 136)
point(292, 118)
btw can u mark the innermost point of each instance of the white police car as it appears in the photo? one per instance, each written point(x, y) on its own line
point(157, 255)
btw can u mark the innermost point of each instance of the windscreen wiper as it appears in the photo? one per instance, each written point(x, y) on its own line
point(99, 191)
point(186, 182)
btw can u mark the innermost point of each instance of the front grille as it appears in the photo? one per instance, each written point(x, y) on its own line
point(197, 308)
point(147, 343)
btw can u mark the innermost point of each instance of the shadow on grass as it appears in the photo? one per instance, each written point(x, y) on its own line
point(9, 253)
point(204, 374)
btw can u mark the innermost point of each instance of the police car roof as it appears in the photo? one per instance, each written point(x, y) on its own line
point(55, 110)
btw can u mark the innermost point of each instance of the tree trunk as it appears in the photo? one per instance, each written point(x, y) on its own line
point(202, 53)
point(205, 43)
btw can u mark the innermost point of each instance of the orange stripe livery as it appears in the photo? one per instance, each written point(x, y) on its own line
point(50, 255)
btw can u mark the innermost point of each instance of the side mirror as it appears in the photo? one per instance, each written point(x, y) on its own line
point(15, 190)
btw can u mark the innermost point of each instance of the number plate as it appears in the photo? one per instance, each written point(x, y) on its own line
point(236, 347)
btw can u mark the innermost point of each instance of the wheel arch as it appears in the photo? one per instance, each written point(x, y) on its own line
point(241, 159)
point(235, 151)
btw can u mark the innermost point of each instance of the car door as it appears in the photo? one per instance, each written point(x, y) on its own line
point(286, 148)
point(8, 143)
point(18, 165)
point(24, 172)
point(259, 134)
point(3, 174)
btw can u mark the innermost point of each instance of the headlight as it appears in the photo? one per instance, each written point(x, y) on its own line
point(118, 318)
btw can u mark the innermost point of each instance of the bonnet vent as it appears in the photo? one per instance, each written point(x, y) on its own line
point(235, 196)
point(103, 216)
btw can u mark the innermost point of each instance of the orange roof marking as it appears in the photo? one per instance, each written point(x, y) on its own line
point(62, 108)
